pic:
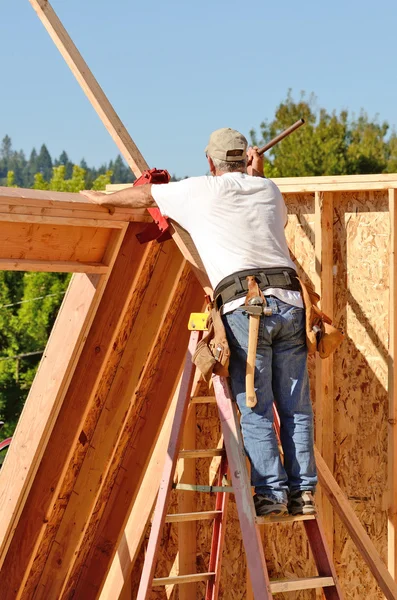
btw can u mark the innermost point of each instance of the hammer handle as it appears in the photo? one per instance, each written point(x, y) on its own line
point(253, 331)
point(281, 136)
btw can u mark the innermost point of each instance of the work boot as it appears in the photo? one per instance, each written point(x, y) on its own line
point(301, 502)
point(265, 506)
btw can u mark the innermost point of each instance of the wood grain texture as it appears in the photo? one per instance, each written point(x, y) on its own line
point(356, 530)
point(45, 400)
point(17, 202)
point(323, 282)
point(143, 427)
point(107, 436)
point(48, 496)
point(392, 391)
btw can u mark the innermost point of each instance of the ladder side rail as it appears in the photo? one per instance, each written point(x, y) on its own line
point(242, 490)
point(318, 543)
point(322, 557)
point(168, 471)
point(218, 536)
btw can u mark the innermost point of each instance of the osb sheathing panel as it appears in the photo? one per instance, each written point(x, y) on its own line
point(361, 246)
point(361, 238)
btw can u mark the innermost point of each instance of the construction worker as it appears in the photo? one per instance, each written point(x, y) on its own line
point(236, 218)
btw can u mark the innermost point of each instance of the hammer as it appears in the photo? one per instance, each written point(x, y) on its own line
point(254, 307)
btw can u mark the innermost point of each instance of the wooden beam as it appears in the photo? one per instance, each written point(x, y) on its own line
point(45, 399)
point(392, 391)
point(53, 266)
point(20, 203)
point(323, 282)
point(112, 123)
point(99, 360)
point(357, 532)
point(145, 425)
point(121, 401)
point(119, 575)
point(328, 183)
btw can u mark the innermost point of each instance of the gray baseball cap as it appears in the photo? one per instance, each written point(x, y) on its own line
point(227, 144)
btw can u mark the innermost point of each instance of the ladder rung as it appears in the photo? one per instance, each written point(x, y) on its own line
point(203, 400)
point(204, 453)
point(186, 487)
point(178, 579)
point(196, 516)
point(287, 519)
point(291, 585)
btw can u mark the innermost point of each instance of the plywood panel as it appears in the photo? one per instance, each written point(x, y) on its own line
point(361, 259)
point(50, 242)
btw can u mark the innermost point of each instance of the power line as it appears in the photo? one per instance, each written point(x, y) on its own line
point(19, 356)
point(32, 299)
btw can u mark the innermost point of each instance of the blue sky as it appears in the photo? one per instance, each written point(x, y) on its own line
point(174, 70)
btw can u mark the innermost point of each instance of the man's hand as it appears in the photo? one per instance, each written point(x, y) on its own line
point(254, 162)
point(99, 198)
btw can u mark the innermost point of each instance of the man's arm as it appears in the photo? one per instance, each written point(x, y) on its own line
point(131, 197)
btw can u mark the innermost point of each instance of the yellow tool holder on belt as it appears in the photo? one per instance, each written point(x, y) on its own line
point(198, 321)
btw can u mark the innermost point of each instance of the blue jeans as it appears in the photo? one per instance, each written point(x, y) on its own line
point(280, 376)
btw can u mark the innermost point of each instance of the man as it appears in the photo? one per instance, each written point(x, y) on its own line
point(236, 219)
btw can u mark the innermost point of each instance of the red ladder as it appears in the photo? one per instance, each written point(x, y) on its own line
point(262, 588)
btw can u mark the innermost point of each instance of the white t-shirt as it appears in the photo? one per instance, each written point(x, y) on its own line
point(236, 222)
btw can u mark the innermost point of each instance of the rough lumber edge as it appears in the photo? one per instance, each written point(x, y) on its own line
point(46, 396)
point(392, 389)
point(356, 530)
point(323, 203)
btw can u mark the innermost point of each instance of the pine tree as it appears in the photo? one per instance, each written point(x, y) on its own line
point(44, 163)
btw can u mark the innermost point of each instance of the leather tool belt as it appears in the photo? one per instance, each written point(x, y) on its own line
point(235, 286)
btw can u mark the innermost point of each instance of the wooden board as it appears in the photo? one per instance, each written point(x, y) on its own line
point(392, 389)
point(324, 216)
point(17, 202)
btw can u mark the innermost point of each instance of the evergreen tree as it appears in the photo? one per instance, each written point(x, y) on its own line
point(6, 148)
point(32, 168)
point(64, 160)
point(44, 163)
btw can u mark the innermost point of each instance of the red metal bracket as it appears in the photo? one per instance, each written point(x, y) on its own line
point(159, 229)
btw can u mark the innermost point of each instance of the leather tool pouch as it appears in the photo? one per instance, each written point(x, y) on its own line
point(321, 335)
point(212, 353)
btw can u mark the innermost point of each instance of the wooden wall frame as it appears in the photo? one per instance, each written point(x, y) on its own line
point(73, 479)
